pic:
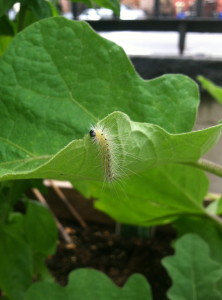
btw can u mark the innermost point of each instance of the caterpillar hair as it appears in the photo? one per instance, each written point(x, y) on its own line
point(107, 149)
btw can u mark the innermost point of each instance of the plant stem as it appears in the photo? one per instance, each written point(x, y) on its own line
point(208, 166)
point(212, 168)
point(215, 218)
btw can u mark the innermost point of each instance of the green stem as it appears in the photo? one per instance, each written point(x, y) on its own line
point(208, 166)
point(215, 218)
point(212, 168)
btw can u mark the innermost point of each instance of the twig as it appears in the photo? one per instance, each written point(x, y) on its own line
point(61, 229)
point(74, 212)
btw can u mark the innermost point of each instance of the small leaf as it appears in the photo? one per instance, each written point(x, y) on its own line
point(111, 4)
point(11, 192)
point(6, 26)
point(214, 90)
point(215, 207)
point(6, 33)
point(194, 273)
point(90, 284)
point(15, 260)
point(5, 5)
point(40, 229)
point(40, 8)
point(206, 229)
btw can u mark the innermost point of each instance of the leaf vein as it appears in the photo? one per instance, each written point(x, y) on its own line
point(4, 140)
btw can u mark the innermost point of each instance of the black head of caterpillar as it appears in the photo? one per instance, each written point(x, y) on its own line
point(92, 133)
point(101, 137)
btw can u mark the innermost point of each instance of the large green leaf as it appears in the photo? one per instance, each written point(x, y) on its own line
point(52, 89)
point(15, 259)
point(194, 273)
point(59, 76)
point(139, 146)
point(214, 90)
point(90, 284)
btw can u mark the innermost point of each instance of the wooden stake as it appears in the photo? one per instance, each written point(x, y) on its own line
point(73, 211)
point(61, 229)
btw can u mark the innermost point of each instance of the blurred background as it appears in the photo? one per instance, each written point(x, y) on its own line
point(154, 27)
point(150, 39)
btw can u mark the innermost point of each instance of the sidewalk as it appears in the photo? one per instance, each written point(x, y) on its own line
point(152, 43)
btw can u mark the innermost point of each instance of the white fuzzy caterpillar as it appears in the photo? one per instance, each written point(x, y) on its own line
point(107, 149)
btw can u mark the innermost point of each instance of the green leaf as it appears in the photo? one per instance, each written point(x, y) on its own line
point(32, 11)
point(81, 82)
point(40, 8)
point(40, 229)
point(5, 5)
point(52, 90)
point(4, 209)
point(13, 191)
point(28, 18)
point(111, 4)
point(90, 284)
point(208, 230)
point(157, 196)
point(6, 27)
point(41, 271)
point(75, 97)
point(6, 33)
point(26, 241)
point(214, 90)
point(15, 260)
point(215, 207)
point(17, 191)
point(193, 272)
point(4, 43)
point(139, 146)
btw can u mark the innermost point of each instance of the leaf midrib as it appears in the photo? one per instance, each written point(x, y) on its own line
point(25, 160)
point(181, 189)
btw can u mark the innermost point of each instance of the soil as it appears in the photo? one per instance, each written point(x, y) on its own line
point(99, 247)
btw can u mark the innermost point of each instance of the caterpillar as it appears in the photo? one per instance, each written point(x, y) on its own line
point(107, 150)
